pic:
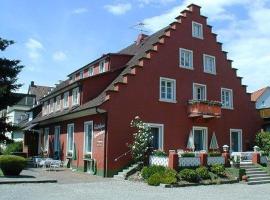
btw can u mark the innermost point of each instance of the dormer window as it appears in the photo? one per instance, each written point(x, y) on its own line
point(81, 74)
point(197, 30)
point(91, 71)
point(45, 108)
point(101, 66)
point(65, 100)
point(51, 105)
point(58, 102)
point(75, 96)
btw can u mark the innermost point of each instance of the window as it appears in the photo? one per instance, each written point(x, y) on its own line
point(157, 131)
point(101, 66)
point(199, 92)
point(65, 101)
point(91, 71)
point(74, 77)
point(186, 58)
point(209, 64)
point(75, 96)
point(197, 30)
point(56, 139)
point(51, 105)
point(70, 137)
point(227, 98)
point(167, 89)
point(200, 138)
point(58, 102)
point(88, 137)
point(236, 140)
point(46, 139)
point(81, 74)
point(45, 108)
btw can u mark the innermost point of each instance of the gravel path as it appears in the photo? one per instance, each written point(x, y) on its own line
point(125, 190)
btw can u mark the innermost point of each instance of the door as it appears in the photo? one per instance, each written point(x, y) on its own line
point(157, 132)
point(236, 140)
point(200, 138)
point(56, 141)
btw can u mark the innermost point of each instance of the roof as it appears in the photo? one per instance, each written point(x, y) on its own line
point(39, 91)
point(257, 94)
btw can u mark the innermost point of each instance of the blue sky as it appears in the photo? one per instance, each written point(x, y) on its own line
point(55, 37)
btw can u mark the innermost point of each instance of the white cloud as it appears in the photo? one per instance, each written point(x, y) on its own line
point(118, 9)
point(80, 11)
point(143, 3)
point(34, 48)
point(59, 56)
point(246, 37)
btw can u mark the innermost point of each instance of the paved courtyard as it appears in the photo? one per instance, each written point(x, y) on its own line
point(118, 190)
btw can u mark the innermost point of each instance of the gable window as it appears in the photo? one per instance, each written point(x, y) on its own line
point(65, 100)
point(186, 58)
point(58, 102)
point(101, 66)
point(199, 92)
point(70, 137)
point(46, 139)
point(209, 64)
point(88, 136)
point(167, 89)
point(51, 105)
point(75, 96)
point(91, 71)
point(197, 30)
point(227, 98)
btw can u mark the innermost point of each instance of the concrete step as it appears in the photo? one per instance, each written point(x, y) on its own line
point(258, 182)
point(253, 169)
point(119, 177)
point(265, 178)
point(258, 175)
point(255, 172)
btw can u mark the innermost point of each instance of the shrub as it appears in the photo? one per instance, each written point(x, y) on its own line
point(169, 176)
point(264, 154)
point(263, 141)
point(13, 147)
point(189, 175)
point(242, 172)
point(214, 154)
point(154, 179)
point(203, 173)
point(12, 165)
point(149, 171)
point(159, 153)
point(218, 169)
point(188, 154)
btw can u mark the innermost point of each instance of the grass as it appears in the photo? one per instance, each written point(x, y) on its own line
point(1, 173)
point(233, 172)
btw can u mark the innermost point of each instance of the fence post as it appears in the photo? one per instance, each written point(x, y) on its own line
point(226, 157)
point(173, 160)
point(203, 158)
point(256, 158)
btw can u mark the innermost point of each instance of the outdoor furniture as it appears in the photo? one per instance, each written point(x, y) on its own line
point(55, 164)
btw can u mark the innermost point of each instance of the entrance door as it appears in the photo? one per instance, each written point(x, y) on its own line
point(200, 138)
point(236, 140)
point(157, 132)
point(57, 141)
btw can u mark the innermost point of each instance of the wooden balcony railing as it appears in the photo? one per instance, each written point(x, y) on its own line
point(204, 109)
point(265, 113)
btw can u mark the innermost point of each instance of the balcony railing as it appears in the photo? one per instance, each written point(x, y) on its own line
point(265, 113)
point(204, 109)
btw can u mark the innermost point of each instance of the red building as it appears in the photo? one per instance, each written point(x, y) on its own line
point(177, 80)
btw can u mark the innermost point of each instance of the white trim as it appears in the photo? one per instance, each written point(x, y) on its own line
point(78, 96)
point(199, 24)
point(193, 91)
point(232, 105)
point(173, 100)
point(240, 137)
point(204, 64)
point(205, 145)
point(90, 69)
point(46, 146)
point(180, 54)
point(161, 133)
point(84, 136)
point(99, 67)
point(56, 143)
point(66, 94)
point(67, 150)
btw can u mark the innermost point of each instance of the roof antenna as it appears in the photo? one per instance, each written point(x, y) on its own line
point(140, 26)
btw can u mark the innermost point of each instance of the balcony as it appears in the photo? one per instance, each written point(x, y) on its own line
point(265, 113)
point(204, 109)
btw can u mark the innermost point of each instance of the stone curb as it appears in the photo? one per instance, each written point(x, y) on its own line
point(28, 181)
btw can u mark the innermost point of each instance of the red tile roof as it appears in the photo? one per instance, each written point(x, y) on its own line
point(255, 95)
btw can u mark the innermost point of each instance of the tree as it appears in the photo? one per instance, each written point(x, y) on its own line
point(142, 139)
point(9, 70)
point(263, 141)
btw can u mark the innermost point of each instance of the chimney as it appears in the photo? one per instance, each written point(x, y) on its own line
point(32, 84)
point(140, 38)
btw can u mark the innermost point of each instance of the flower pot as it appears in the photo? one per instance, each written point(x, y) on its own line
point(244, 178)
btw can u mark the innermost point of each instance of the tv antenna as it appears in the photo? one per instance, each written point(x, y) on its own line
point(140, 26)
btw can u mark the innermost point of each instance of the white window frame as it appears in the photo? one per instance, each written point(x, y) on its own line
point(51, 105)
point(84, 143)
point(180, 56)
point(173, 81)
point(46, 143)
point(81, 74)
point(231, 91)
point(193, 30)
point(194, 91)
point(240, 139)
point(45, 108)
point(161, 133)
point(56, 144)
point(205, 56)
point(102, 64)
point(205, 142)
point(72, 146)
point(58, 100)
point(66, 100)
point(77, 102)
point(91, 71)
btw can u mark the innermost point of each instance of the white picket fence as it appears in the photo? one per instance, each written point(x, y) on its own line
point(157, 160)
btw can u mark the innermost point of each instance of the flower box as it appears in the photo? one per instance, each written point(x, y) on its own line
point(215, 160)
point(205, 109)
point(189, 161)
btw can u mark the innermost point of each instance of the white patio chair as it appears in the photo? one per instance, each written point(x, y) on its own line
point(55, 164)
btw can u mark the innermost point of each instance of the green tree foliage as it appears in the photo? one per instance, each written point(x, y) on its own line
point(9, 70)
point(263, 141)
